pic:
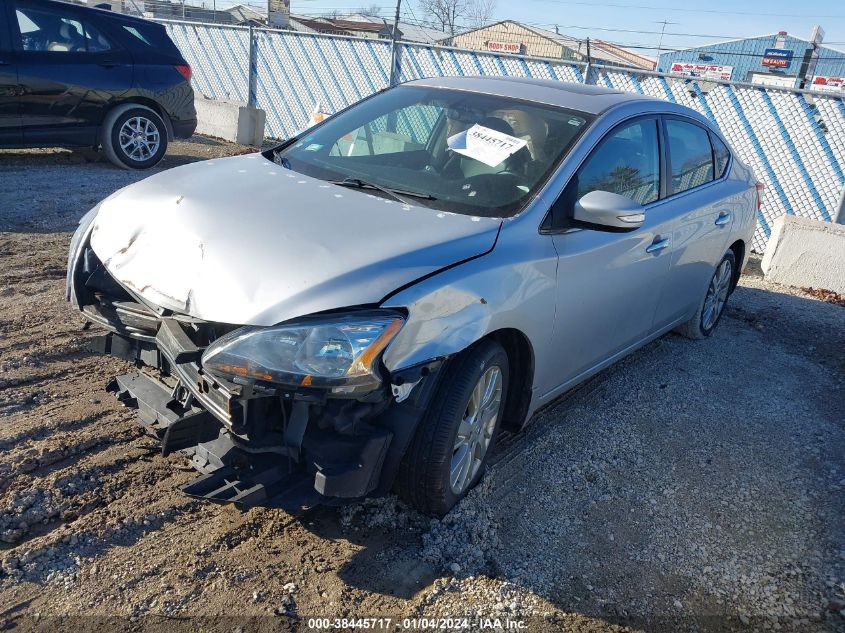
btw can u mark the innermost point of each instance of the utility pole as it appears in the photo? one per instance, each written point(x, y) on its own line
point(394, 48)
point(587, 67)
point(660, 42)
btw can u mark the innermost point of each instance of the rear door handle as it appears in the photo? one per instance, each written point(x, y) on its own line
point(658, 245)
point(723, 219)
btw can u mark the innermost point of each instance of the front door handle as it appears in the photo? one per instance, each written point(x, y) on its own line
point(723, 219)
point(658, 244)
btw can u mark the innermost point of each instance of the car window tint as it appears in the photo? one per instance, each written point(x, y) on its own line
point(57, 32)
point(405, 130)
point(96, 41)
point(458, 151)
point(133, 30)
point(690, 155)
point(144, 36)
point(721, 155)
point(627, 162)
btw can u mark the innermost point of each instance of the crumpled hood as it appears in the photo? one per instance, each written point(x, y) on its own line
point(244, 241)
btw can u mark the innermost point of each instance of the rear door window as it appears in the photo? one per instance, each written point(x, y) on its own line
point(627, 162)
point(721, 155)
point(57, 31)
point(5, 44)
point(690, 155)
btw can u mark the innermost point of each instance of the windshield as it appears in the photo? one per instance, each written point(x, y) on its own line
point(449, 150)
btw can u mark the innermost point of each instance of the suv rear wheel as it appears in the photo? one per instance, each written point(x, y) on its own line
point(134, 137)
point(456, 435)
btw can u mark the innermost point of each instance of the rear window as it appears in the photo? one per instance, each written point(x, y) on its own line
point(144, 37)
point(721, 155)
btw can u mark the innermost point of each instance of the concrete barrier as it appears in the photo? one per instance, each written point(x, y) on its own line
point(230, 120)
point(806, 253)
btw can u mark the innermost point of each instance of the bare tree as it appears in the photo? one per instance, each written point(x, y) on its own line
point(446, 14)
point(372, 11)
point(449, 15)
point(481, 12)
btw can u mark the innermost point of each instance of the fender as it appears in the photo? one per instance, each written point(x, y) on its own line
point(510, 288)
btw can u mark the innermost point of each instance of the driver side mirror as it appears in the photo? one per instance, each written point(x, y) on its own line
point(610, 210)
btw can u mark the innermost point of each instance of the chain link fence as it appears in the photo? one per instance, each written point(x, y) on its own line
point(794, 140)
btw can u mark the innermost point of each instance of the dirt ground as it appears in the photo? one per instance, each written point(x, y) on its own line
point(694, 486)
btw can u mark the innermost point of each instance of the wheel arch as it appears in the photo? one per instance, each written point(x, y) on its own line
point(521, 370)
point(738, 249)
point(152, 104)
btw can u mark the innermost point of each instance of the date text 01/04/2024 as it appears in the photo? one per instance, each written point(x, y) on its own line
point(418, 624)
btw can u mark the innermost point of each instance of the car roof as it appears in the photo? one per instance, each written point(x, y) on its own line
point(582, 97)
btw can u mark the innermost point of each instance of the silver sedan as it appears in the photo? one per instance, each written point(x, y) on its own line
point(365, 307)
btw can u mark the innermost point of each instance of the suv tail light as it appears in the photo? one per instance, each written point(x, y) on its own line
point(760, 186)
point(185, 71)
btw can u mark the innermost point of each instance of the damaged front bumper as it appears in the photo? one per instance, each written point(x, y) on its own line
point(254, 443)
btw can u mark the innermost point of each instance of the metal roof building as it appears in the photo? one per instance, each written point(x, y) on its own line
point(775, 59)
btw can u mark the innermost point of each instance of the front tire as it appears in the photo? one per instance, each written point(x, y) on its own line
point(134, 137)
point(712, 307)
point(450, 449)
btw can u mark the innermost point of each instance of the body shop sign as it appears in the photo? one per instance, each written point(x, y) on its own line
point(777, 58)
point(504, 47)
point(705, 71)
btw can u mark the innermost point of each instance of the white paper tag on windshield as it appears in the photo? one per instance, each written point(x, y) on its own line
point(485, 145)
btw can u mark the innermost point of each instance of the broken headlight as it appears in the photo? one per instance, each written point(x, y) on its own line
point(330, 351)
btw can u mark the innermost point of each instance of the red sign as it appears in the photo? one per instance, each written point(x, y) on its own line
point(504, 47)
point(705, 71)
point(777, 57)
point(827, 83)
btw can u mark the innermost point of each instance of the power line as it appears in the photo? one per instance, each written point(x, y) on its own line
point(662, 33)
point(410, 18)
point(676, 8)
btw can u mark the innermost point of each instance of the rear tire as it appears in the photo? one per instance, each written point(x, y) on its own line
point(712, 306)
point(134, 137)
point(449, 452)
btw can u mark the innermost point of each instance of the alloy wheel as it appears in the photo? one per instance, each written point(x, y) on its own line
point(139, 138)
point(476, 429)
point(717, 295)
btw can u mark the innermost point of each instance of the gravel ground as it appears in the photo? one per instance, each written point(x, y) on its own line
point(694, 486)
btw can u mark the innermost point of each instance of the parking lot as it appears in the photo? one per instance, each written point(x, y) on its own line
point(697, 485)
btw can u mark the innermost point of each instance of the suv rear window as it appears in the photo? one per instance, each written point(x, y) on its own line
point(145, 36)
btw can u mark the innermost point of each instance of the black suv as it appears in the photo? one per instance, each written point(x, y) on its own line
point(73, 76)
